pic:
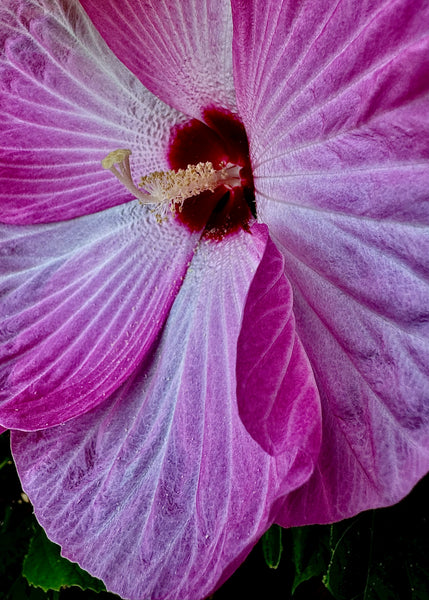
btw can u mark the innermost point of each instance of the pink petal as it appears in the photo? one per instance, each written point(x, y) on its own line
point(82, 304)
point(361, 291)
point(337, 112)
point(66, 102)
point(180, 50)
point(337, 115)
point(160, 491)
point(277, 396)
point(338, 68)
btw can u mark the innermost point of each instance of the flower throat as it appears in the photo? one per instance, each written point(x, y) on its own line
point(210, 185)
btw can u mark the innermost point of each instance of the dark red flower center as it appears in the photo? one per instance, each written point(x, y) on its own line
point(221, 140)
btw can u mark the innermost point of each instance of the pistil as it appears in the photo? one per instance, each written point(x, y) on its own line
point(171, 188)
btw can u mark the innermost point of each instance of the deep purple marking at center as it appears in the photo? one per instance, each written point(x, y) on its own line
point(221, 140)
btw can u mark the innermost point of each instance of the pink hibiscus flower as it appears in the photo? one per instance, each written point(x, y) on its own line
point(176, 385)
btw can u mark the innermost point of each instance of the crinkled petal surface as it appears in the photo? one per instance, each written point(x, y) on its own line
point(335, 98)
point(161, 491)
point(82, 303)
point(276, 392)
point(181, 50)
point(65, 103)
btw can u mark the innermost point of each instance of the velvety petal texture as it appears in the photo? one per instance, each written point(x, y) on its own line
point(161, 491)
point(82, 302)
point(65, 103)
point(335, 99)
point(181, 50)
point(276, 392)
point(187, 393)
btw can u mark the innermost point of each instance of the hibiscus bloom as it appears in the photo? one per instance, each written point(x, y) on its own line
point(175, 385)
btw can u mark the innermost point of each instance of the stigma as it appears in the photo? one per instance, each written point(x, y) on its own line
point(170, 189)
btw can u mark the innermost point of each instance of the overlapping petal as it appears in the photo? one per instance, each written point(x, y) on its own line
point(163, 480)
point(181, 50)
point(82, 303)
point(361, 290)
point(276, 393)
point(65, 102)
point(336, 102)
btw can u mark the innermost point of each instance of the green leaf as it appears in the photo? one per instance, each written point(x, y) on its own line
point(16, 521)
point(349, 545)
point(310, 553)
point(45, 568)
point(272, 546)
point(383, 554)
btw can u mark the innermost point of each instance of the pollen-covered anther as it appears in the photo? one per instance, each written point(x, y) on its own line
point(171, 188)
point(174, 187)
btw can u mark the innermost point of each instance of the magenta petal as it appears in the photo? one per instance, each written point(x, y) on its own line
point(82, 302)
point(66, 102)
point(277, 396)
point(180, 50)
point(161, 491)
